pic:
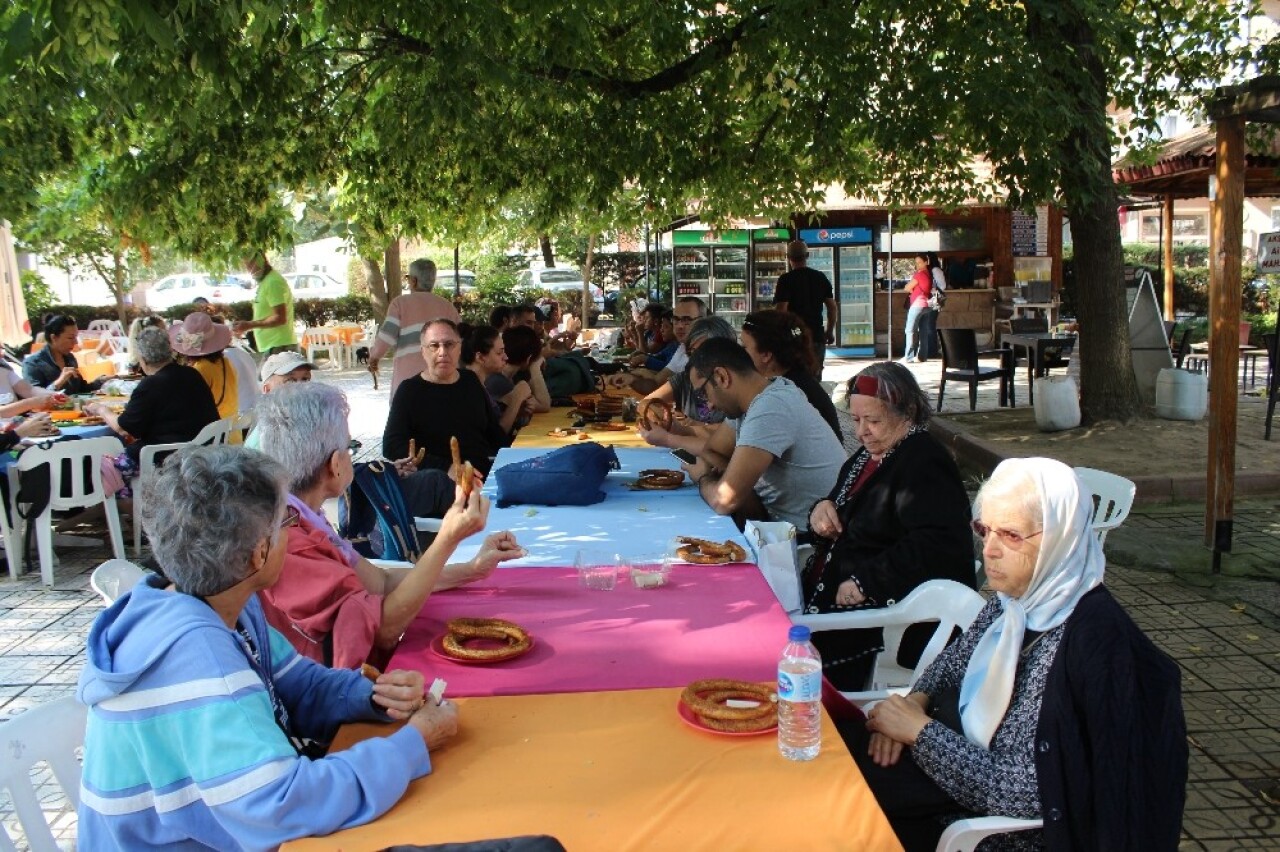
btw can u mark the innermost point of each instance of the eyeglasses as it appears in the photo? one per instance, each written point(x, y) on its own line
point(354, 446)
point(701, 389)
point(1009, 537)
point(677, 319)
point(447, 345)
point(292, 517)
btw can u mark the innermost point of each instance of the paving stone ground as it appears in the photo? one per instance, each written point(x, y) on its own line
point(1224, 633)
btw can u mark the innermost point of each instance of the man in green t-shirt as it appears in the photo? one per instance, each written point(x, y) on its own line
point(272, 322)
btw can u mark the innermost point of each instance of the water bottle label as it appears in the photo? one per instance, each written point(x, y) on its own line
point(800, 686)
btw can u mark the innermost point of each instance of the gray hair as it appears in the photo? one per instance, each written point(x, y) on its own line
point(153, 347)
point(206, 510)
point(1014, 483)
point(897, 388)
point(707, 328)
point(423, 270)
point(301, 425)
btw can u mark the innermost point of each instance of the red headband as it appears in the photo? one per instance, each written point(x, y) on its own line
point(867, 386)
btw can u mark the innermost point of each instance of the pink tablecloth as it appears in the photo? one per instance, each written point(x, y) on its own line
point(707, 622)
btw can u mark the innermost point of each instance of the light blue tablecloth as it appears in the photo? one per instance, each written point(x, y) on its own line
point(100, 431)
point(632, 523)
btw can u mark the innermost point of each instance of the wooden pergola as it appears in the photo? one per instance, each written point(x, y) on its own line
point(1213, 162)
point(1182, 168)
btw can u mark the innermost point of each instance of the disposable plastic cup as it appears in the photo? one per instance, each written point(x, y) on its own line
point(597, 569)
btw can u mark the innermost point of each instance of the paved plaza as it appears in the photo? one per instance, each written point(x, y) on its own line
point(1223, 631)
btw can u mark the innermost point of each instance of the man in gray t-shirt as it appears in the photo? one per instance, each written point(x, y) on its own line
point(777, 457)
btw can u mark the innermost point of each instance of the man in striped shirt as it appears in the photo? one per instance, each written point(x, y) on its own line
point(401, 332)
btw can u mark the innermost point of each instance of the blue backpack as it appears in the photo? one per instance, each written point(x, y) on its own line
point(569, 476)
point(372, 515)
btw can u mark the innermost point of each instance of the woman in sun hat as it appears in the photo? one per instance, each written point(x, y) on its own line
point(200, 341)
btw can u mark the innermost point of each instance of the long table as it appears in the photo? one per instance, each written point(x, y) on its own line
point(707, 622)
point(631, 522)
point(536, 432)
point(620, 771)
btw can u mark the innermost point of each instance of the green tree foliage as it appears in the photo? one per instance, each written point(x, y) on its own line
point(451, 120)
point(37, 295)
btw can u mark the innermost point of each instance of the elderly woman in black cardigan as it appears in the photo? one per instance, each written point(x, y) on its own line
point(1053, 705)
point(898, 516)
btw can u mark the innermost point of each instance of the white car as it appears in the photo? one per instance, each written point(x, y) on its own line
point(315, 285)
point(558, 280)
point(198, 288)
point(445, 285)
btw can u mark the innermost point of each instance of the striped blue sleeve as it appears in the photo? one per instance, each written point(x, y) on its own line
point(206, 758)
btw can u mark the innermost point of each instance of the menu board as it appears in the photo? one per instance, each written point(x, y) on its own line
point(1030, 232)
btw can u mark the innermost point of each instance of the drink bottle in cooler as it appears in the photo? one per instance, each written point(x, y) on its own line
point(799, 697)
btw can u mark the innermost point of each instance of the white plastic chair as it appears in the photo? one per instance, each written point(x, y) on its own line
point(111, 327)
point(215, 433)
point(84, 489)
point(947, 602)
point(51, 733)
point(322, 340)
point(1112, 499)
point(964, 835)
point(114, 577)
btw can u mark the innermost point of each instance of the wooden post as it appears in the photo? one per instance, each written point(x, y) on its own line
point(1166, 216)
point(1226, 235)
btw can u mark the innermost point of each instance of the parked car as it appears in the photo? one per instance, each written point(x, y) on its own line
point(198, 288)
point(315, 285)
point(558, 280)
point(445, 282)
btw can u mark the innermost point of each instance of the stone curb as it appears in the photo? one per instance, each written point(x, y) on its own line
point(1153, 489)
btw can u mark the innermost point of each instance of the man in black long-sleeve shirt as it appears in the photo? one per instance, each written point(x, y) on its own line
point(440, 403)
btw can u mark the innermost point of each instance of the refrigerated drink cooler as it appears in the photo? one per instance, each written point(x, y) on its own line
point(713, 265)
point(844, 256)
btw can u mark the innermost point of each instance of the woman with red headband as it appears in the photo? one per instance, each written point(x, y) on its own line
point(898, 516)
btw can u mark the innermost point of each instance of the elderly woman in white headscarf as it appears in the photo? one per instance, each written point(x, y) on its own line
point(1053, 705)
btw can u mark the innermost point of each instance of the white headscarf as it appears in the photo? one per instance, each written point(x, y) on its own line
point(1070, 564)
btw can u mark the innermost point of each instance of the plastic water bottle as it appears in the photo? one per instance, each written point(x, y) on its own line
point(799, 697)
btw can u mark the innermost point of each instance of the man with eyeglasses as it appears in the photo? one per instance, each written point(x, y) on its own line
point(440, 403)
point(688, 310)
point(777, 458)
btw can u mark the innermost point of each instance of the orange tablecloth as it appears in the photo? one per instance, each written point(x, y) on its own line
point(348, 334)
point(620, 771)
point(535, 433)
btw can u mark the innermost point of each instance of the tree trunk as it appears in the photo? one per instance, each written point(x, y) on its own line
point(548, 257)
point(118, 272)
point(377, 288)
point(1108, 386)
point(393, 269)
point(587, 301)
point(385, 282)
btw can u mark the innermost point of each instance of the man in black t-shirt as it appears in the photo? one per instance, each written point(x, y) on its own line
point(804, 292)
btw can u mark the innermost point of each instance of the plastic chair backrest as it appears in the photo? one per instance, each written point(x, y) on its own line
point(114, 577)
point(112, 326)
point(84, 486)
point(1184, 346)
point(216, 432)
point(959, 348)
point(947, 602)
point(50, 733)
point(1112, 499)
